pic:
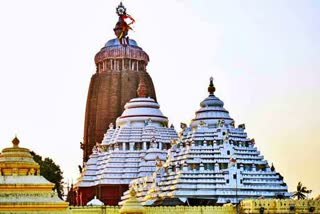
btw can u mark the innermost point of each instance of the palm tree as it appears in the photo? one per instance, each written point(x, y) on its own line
point(301, 191)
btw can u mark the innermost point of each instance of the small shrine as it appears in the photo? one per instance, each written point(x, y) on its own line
point(132, 205)
point(22, 188)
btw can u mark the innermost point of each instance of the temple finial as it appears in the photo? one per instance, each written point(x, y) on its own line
point(15, 141)
point(211, 88)
point(142, 89)
point(122, 27)
point(121, 9)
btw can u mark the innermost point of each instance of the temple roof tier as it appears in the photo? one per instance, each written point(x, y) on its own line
point(22, 189)
point(132, 149)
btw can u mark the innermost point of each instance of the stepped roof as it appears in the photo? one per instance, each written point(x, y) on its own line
point(212, 161)
point(21, 186)
point(212, 110)
point(132, 148)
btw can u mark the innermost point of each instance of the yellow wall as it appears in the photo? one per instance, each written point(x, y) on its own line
point(33, 211)
point(279, 206)
point(94, 210)
point(187, 210)
point(155, 210)
point(271, 206)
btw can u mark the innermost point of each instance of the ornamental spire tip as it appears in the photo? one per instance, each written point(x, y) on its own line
point(122, 27)
point(211, 88)
point(15, 141)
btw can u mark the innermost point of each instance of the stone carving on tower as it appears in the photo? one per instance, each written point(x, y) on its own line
point(120, 65)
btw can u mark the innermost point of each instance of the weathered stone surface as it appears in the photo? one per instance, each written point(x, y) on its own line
point(107, 95)
point(117, 77)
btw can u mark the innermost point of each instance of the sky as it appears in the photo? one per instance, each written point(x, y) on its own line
point(263, 56)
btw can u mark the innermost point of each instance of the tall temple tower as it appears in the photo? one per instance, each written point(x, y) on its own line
point(120, 64)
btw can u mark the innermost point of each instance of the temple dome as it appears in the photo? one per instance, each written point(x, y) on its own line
point(115, 42)
point(140, 110)
point(17, 161)
point(114, 50)
point(211, 101)
point(212, 110)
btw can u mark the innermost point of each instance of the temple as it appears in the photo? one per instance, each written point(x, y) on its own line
point(132, 149)
point(213, 162)
point(120, 65)
point(22, 189)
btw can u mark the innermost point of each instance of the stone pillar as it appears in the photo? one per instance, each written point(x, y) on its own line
point(241, 167)
point(116, 147)
point(216, 167)
point(185, 167)
point(131, 146)
point(123, 146)
point(192, 144)
point(214, 144)
point(201, 167)
point(205, 143)
point(254, 169)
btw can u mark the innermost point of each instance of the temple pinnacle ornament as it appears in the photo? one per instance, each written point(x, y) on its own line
point(122, 27)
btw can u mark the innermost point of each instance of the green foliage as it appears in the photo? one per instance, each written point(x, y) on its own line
point(51, 172)
point(301, 191)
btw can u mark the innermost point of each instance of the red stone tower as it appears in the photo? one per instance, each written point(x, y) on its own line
point(120, 64)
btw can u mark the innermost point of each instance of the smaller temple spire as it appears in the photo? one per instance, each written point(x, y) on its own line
point(142, 89)
point(132, 205)
point(211, 88)
point(272, 167)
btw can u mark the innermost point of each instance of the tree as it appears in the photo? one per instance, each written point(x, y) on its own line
point(301, 191)
point(51, 171)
